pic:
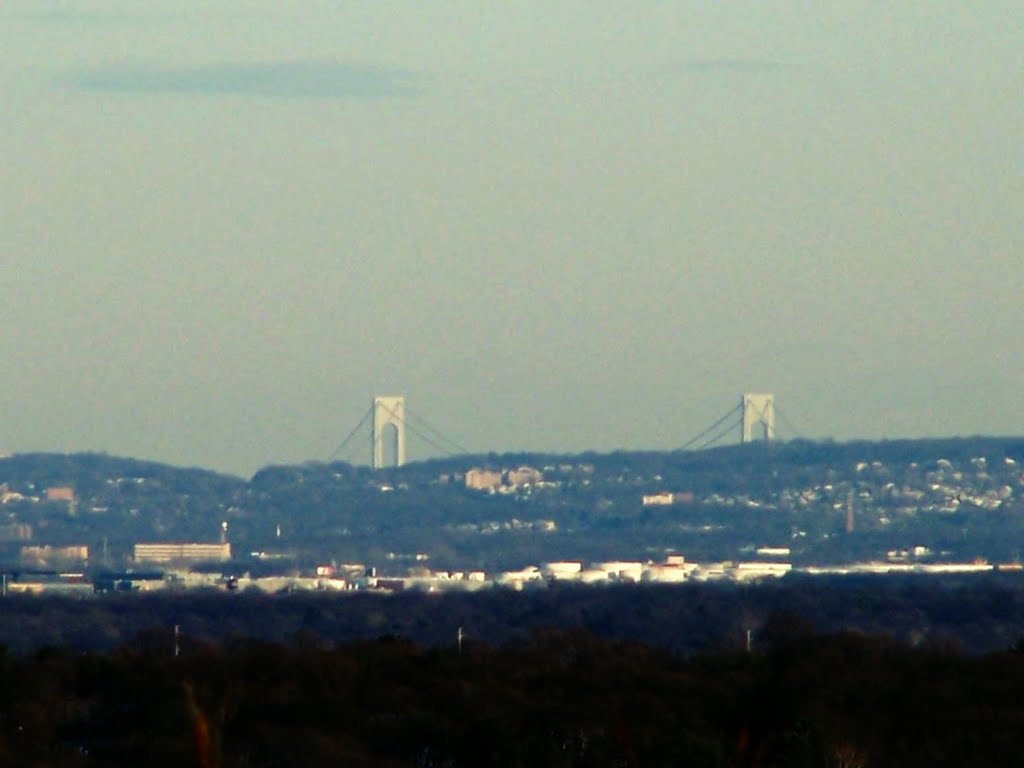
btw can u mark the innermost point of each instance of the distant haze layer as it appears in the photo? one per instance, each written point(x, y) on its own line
point(552, 226)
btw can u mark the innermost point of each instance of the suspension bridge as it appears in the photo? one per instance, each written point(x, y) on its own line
point(388, 421)
point(754, 418)
point(390, 413)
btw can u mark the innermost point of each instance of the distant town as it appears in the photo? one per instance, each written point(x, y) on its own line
point(88, 523)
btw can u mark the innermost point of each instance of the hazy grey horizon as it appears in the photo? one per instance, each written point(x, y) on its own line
point(552, 226)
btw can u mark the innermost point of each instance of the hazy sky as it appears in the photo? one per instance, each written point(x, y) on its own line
point(225, 226)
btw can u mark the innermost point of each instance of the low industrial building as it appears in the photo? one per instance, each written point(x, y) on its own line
point(46, 555)
point(181, 553)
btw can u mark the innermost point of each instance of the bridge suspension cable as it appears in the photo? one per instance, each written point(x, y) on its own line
point(426, 438)
point(788, 423)
point(348, 438)
point(712, 441)
point(730, 414)
point(437, 434)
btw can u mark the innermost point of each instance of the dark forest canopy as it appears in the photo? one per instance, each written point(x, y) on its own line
point(977, 614)
point(552, 699)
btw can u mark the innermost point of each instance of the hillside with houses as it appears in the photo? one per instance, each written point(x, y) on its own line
point(890, 505)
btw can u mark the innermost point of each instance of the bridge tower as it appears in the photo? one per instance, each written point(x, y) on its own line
point(758, 417)
point(388, 411)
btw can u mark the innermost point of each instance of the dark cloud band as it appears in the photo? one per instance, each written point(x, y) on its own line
point(710, 66)
point(283, 79)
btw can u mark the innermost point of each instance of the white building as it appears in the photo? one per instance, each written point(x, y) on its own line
point(567, 570)
point(181, 553)
point(760, 570)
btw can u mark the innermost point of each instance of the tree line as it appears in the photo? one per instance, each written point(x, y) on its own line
point(554, 698)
